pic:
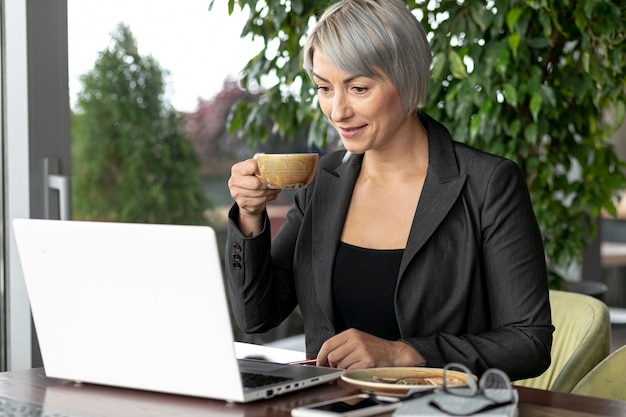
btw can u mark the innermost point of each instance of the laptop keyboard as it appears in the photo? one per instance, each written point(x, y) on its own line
point(252, 380)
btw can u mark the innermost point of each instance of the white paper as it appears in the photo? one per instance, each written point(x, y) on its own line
point(267, 353)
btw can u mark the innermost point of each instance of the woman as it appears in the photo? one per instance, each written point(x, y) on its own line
point(409, 248)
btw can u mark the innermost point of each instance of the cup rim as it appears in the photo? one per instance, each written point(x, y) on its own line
point(262, 155)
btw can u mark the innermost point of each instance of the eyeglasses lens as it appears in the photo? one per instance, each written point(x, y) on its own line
point(492, 391)
point(453, 384)
point(496, 386)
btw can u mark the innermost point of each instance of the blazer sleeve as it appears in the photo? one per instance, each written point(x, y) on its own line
point(261, 297)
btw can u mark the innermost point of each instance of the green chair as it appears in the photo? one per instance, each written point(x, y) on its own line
point(607, 379)
point(582, 339)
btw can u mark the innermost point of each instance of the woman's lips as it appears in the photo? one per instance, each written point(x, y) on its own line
point(351, 132)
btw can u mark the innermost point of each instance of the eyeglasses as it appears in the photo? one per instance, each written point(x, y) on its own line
point(493, 390)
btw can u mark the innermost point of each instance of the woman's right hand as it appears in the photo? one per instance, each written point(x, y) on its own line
point(251, 195)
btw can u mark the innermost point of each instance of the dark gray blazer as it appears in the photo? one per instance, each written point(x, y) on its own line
point(472, 286)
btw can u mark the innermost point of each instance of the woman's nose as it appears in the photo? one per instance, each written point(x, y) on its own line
point(341, 109)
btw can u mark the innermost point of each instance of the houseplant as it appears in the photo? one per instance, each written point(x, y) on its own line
point(538, 81)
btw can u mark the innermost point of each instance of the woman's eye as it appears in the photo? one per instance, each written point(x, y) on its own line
point(322, 89)
point(359, 90)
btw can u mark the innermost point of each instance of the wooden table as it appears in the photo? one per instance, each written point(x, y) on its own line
point(86, 400)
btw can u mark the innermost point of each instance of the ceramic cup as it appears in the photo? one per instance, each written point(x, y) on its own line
point(287, 170)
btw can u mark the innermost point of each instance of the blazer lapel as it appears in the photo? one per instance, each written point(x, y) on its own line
point(329, 210)
point(442, 188)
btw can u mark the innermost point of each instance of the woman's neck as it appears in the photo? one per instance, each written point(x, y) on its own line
point(403, 157)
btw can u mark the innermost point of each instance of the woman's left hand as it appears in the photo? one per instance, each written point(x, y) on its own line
point(354, 349)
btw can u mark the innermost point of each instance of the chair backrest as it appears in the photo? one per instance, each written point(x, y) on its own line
point(582, 338)
point(607, 379)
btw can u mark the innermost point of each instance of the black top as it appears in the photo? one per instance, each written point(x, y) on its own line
point(364, 282)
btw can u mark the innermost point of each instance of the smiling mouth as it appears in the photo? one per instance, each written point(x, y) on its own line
point(351, 131)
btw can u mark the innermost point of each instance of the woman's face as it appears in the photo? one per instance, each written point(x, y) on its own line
point(368, 113)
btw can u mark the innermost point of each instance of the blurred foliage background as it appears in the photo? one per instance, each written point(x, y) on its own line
point(538, 81)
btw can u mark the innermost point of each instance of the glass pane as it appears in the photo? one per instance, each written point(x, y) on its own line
point(151, 84)
point(164, 74)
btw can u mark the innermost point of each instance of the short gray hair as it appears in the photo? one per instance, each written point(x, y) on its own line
point(368, 36)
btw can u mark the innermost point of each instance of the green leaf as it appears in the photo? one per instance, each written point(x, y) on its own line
point(297, 6)
point(457, 68)
point(475, 125)
point(515, 127)
point(547, 93)
point(530, 133)
point(480, 16)
point(502, 61)
point(580, 16)
point(535, 104)
point(512, 17)
point(533, 164)
point(439, 65)
point(510, 94)
point(586, 61)
point(514, 41)
point(588, 7)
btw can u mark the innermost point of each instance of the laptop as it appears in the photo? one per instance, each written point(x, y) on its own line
point(141, 306)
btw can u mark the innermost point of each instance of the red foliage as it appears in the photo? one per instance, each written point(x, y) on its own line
point(206, 126)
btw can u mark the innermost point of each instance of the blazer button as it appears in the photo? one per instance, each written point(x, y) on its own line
point(236, 265)
point(237, 247)
point(236, 257)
